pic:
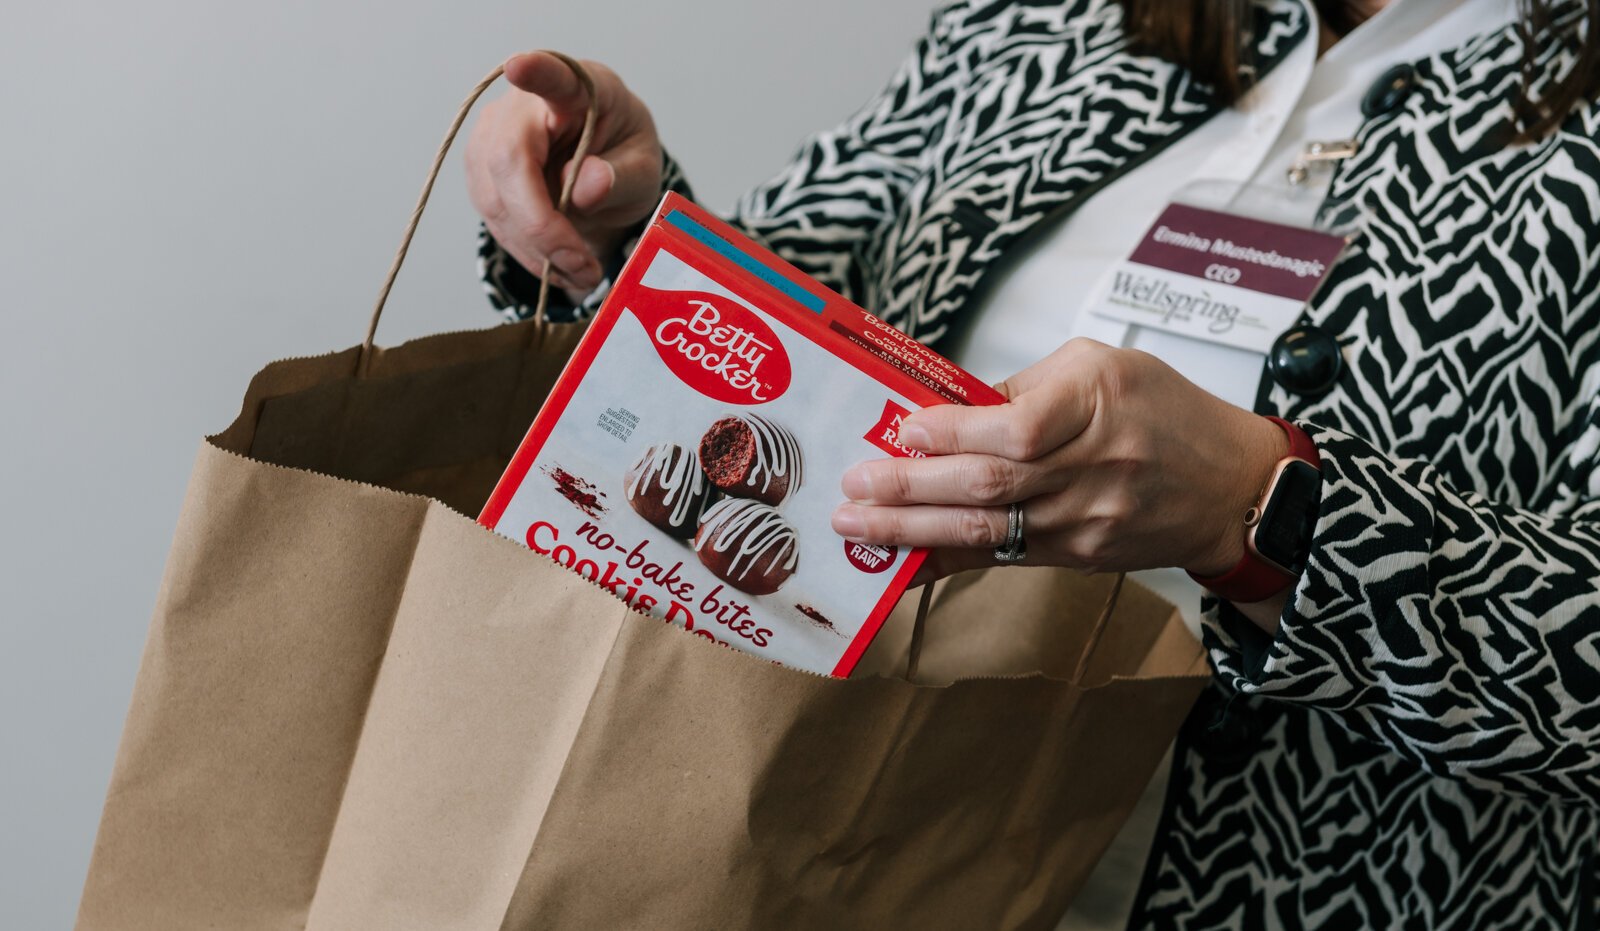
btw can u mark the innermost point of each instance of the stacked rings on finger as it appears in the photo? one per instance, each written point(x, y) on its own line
point(1014, 549)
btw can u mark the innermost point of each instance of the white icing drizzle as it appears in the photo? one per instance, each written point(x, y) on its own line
point(677, 471)
point(759, 529)
point(777, 451)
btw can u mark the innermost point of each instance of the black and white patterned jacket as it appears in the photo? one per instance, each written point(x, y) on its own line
point(1419, 746)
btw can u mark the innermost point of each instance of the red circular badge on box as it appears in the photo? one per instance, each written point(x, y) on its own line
point(869, 558)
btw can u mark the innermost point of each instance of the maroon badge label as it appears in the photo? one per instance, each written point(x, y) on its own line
point(1268, 258)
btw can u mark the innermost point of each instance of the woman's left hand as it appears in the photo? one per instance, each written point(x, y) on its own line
point(1120, 463)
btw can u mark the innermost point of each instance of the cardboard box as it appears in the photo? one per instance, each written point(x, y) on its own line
point(689, 458)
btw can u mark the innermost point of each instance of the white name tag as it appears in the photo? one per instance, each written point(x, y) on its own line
point(1218, 277)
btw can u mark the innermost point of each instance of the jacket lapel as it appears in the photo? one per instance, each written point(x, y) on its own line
point(1055, 108)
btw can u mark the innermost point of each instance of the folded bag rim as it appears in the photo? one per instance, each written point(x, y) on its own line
point(539, 563)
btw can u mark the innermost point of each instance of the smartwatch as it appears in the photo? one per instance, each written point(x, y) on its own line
point(1277, 538)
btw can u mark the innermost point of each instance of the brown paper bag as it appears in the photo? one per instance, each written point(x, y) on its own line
point(359, 709)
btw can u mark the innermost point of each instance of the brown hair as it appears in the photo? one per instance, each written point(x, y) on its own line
point(1211, 38)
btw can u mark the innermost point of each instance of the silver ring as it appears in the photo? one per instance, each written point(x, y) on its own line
point(1014, 549)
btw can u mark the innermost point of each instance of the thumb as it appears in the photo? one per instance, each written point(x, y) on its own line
point(627, 175)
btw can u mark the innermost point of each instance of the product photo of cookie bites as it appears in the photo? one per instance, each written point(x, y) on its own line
point(751, 457)
point(668, 488)
point(748, 544)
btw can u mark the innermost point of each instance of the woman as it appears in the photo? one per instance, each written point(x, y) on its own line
point(1405, 733)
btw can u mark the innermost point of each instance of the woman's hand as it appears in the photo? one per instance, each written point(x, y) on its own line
point(520, 151)
point(1120, 464)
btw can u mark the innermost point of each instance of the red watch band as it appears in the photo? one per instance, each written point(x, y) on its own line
point(1253, 579)
point(1300, 445)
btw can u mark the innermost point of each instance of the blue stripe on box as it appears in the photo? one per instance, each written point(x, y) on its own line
point(745, 261)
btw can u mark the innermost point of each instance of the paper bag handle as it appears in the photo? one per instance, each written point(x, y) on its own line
point(1099, 630)
point(919, 630)
point(582, 150)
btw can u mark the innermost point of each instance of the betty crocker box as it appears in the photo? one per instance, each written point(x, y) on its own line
point(689, 456)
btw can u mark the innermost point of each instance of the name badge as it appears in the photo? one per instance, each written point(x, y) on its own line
point(1218, 276)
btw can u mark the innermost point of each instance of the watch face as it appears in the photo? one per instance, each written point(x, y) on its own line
point(1284, 534)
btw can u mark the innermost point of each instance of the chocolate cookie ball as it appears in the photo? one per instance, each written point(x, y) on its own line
point(751, 457)
point(668, 488)
point(748, 545)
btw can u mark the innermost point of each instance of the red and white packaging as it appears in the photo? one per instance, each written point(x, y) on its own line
point(689, 457)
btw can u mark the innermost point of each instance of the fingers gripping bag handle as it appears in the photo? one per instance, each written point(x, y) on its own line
point(579, 153)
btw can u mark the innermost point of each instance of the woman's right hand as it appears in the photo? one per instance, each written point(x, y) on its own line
point(520, 151)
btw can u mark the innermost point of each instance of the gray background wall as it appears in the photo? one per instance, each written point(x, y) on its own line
point(190, 189)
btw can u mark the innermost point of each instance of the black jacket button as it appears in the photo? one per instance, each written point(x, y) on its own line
point(1389, 91)
point(1223, 730)
point(1305, 360)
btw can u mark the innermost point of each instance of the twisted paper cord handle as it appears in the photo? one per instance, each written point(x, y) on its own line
point(584, 138)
